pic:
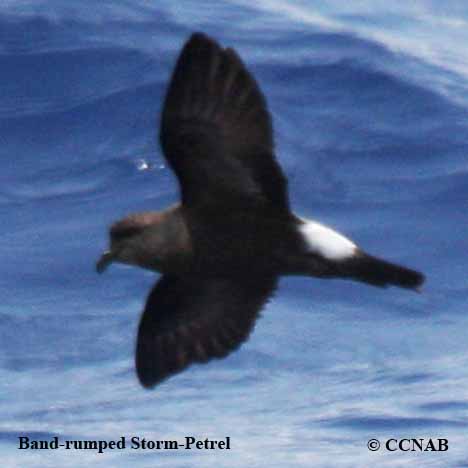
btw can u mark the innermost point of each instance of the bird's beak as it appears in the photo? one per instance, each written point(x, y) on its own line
point(106, 259)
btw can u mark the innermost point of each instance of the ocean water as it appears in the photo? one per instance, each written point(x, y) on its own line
point(370, 108)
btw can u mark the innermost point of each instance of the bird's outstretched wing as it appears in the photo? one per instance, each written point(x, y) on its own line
point(191, 319)
point(216, 130)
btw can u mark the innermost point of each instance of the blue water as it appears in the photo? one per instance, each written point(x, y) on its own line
point(370, 107)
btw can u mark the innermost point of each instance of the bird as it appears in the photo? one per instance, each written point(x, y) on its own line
point(221, 250)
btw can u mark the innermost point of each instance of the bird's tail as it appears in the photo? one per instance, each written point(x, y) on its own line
point(372, 270)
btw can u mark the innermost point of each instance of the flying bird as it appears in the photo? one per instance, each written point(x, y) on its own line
point(222, 249)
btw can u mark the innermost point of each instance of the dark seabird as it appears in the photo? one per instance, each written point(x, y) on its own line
point(222, 249)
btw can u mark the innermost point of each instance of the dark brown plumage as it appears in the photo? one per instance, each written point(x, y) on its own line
point(194, 319)
point(223, 248)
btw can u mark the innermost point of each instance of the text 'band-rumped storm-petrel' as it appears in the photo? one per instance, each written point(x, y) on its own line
point(222, 249)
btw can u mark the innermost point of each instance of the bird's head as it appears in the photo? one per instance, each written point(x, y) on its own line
point(134, 240)
point(156, 241)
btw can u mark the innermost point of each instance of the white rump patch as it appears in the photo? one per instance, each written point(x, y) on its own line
point(326, 242)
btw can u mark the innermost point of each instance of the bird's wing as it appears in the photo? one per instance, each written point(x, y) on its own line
point(216, 130)
point(192, 320)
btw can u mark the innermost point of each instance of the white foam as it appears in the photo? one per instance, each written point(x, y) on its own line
point(326, 242)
